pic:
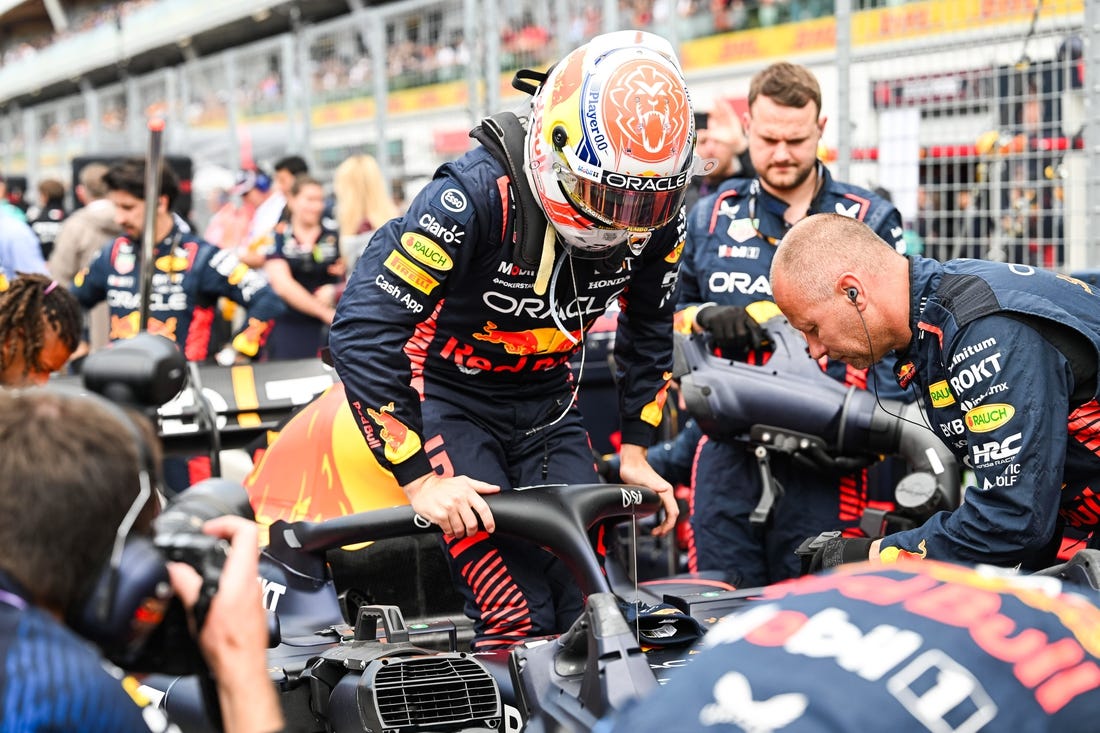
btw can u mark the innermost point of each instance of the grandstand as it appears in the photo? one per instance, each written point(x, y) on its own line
point(970, 112)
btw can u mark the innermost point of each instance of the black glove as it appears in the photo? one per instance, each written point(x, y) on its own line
point(840, 550)
point(735, 332)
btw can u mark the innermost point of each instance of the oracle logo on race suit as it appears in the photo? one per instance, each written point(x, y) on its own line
point(739, 282)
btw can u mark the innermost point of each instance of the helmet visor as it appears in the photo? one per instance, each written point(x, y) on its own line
point(618, 200)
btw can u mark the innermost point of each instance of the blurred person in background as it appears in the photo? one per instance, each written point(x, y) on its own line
point(722, 138)
point(287, 171)
point(80, 238)
point(19, 250)
point(363, 203)
point(40, 327)
point(7, 208)
point(189, 275)
point(229, 215)
point(257, 192)
point(226, 230)
point(306, 270)
point(46, 217)
point(229, 222)
point(972, 226)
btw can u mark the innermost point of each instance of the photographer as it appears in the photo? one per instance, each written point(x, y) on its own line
point(67, 483)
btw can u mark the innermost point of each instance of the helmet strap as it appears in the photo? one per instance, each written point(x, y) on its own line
point(530, 81)
point(546, 261)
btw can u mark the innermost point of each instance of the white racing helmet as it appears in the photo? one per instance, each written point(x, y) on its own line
point(611, 142)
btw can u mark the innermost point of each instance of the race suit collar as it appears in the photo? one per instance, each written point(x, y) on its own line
point(777, 207)
point(169, 242)
point(924, 278)
point(824, 183)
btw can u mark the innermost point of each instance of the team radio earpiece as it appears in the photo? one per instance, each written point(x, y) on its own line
point(853, 295)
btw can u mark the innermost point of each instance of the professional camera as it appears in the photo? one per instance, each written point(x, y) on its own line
point(170, 647)
point(131, 612)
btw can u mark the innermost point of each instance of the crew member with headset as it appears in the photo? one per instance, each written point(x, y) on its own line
point(1003, 359)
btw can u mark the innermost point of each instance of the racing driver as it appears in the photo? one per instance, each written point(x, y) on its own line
point(454, 336)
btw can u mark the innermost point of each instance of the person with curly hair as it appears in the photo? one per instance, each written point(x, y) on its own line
point(40, 327)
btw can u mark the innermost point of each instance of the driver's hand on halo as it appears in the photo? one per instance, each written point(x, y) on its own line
point(454, 503)
point(635, 469)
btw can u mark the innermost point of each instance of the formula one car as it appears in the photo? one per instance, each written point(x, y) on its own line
point(348, 658)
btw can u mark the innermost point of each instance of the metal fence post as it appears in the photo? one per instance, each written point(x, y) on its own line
point(1092, 132)
point(843, 10)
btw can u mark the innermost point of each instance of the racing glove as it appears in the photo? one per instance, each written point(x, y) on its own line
point(735, 332)
point(839, 550)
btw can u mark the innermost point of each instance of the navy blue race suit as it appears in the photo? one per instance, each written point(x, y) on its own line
point(53, 680)
point(188, 278)
point(298, 335)
point(453, 363)
point(910, 647)
point(1003, 359)
point(731, 238)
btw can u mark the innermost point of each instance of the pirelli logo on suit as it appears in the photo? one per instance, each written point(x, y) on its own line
point(410, 272)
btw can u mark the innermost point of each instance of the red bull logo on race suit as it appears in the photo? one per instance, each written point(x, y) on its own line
point(533, 341)
point(126, 327)
point(400, 441)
